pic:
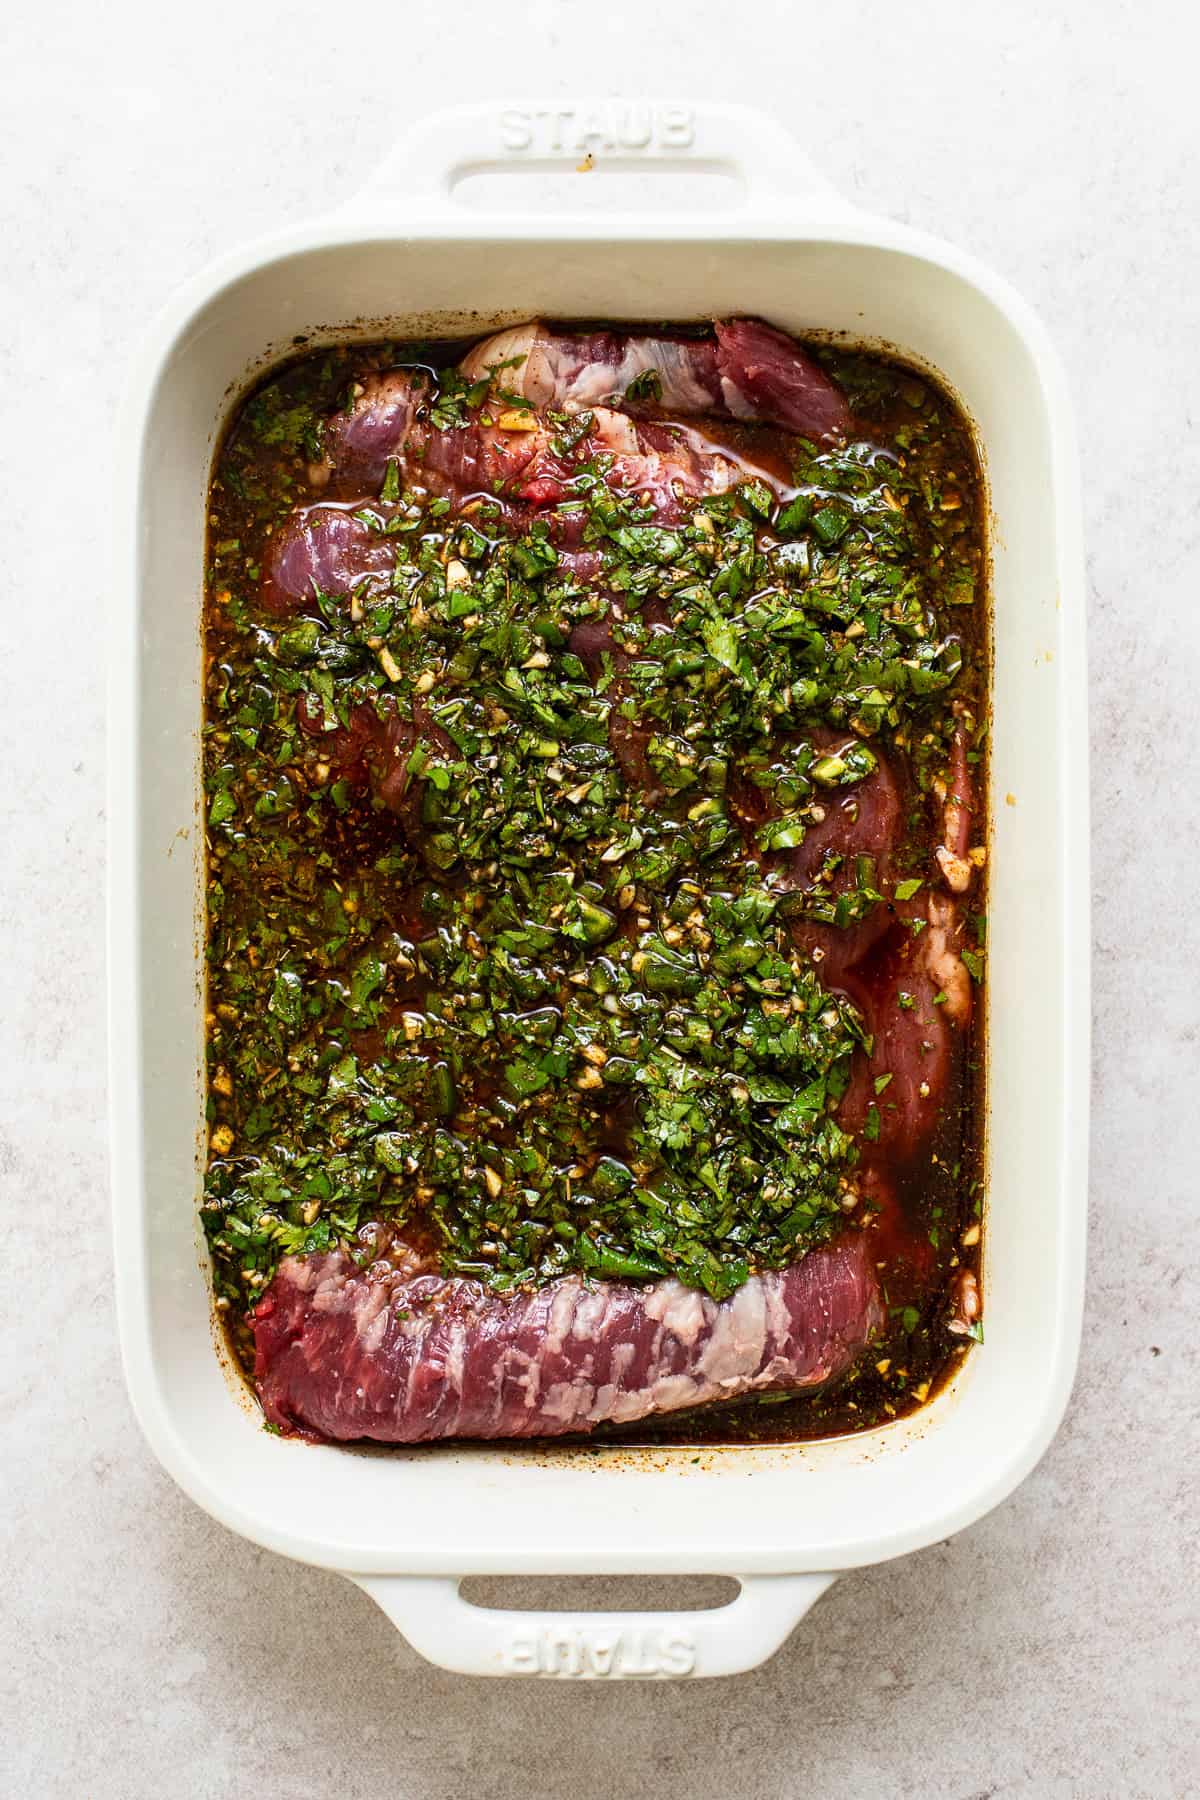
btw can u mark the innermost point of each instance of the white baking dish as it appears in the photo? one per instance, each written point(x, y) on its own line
point(412, 254)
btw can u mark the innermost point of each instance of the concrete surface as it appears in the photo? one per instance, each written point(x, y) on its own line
point(1048, 1652)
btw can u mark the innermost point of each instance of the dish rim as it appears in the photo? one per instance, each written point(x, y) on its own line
point(834, 227)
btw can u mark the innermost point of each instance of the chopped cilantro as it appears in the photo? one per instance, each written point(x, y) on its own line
point(502, 901)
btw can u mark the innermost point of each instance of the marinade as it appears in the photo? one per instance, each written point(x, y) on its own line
point(596, 838)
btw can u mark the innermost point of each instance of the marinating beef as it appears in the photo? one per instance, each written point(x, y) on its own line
point(594, 844)
point(746, 370)
point(403, 1358)
point(516, 452)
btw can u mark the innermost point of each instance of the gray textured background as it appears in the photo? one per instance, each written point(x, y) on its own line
point(1050, 1650)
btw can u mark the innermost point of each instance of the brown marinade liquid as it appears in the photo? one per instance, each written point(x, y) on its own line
point(284, 869)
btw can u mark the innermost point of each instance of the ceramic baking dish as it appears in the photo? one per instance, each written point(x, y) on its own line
point(416, 254)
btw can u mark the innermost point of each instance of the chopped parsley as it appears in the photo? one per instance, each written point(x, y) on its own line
point(532, 989)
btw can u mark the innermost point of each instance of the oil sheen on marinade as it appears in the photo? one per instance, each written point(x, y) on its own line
point(524, 941)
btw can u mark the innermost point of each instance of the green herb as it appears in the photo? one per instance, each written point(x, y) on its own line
point(646, 386)
point(502, 928)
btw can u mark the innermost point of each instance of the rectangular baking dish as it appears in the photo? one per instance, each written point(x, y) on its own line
point(413, 254)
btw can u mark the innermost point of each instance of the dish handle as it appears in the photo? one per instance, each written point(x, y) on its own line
point(772, 177)
point(456, 1634)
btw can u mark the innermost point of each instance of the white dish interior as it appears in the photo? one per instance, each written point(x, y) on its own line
point(755, 1510)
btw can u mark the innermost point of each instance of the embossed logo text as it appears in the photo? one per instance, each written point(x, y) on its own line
point(614, 128)
point(565, 1652)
